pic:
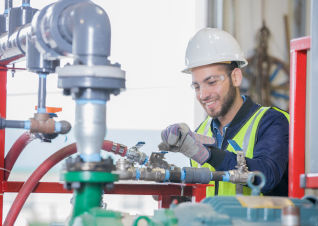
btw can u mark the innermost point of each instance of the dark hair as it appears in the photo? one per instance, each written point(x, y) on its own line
point(229, 67)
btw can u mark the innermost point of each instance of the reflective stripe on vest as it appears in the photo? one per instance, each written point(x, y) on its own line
point(245, 138)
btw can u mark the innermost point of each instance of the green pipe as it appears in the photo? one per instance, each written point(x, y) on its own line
point(87, 197)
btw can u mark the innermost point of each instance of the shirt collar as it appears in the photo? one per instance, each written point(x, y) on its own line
point(216, 122)
point(216, 125)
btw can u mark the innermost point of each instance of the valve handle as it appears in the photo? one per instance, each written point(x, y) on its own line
point(256, 189)
point(51, 109)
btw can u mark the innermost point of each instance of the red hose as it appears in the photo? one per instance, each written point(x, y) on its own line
point(37, 175)
point(15, 151)
point(26, 138)
point(116, 148)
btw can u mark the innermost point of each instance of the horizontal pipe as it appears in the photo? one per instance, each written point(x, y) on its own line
point(48, 126)
point(58, 30)
point(18, 124)
point(189, 175)
point(14, 46)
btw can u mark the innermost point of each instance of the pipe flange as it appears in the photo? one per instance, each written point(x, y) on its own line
point(77, 164)
point(110, 78)
point(104, 71)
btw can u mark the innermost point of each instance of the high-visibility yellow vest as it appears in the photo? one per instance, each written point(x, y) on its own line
point(245, 138)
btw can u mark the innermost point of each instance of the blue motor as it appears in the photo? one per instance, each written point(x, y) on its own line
point(240, 210)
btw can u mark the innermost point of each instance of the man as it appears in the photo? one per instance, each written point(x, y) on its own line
point(214, 59)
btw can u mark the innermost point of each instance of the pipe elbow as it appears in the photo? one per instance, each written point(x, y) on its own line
point(87, 26)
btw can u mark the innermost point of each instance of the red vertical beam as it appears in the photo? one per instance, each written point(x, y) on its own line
point(199, 192)
point(297, 128)
point(164, 201)
point(3, 106)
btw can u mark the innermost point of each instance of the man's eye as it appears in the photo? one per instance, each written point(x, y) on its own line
point(211, 82)
point(195, 86)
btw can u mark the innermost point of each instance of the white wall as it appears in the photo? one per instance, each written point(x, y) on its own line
point(149, 40)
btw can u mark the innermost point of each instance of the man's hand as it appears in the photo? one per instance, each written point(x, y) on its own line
point(179, 138)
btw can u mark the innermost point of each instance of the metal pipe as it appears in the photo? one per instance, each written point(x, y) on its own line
point(91, 42)
point(11, 123)
point(18, 124)
point(90, 128)
point(38, 125)
point(14, 47)
point(312, 106)
point(25, 2)
point(188, 175)
point(77, 27)
point(7, 6)
point(42, 93)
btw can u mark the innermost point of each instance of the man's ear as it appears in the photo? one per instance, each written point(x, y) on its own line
point(237, 77)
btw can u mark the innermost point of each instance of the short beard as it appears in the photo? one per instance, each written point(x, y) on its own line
point(228, 101)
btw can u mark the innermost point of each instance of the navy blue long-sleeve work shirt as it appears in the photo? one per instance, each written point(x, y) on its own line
point(270, 155)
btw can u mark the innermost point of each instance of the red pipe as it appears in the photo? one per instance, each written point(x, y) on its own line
point(297, 129)
point(37, 175)
point(15, 152)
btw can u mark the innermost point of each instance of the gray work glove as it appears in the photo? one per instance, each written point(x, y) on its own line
point(179, 138)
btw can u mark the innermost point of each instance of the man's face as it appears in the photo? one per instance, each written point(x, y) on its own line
point(214, 89)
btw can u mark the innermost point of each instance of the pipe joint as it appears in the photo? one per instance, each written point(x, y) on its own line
point(87, 26)
point(74, 27)
point(42, 123)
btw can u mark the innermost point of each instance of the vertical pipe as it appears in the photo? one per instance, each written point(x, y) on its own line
point(313, 92)
point(42, 93)
point(215, 13)
point(90, 128)
point(297, 128)
point(87, 197)
point(7, 6)
point(3, 105)
point(25, 2)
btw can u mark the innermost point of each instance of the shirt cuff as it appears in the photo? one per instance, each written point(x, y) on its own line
point(216, 156)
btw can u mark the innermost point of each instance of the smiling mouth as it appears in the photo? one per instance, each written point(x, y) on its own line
point(210, 104)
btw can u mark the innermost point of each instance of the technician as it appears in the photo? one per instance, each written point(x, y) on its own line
point(214, 59)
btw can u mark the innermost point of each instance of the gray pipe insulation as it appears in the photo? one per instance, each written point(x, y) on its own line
point(73, 27)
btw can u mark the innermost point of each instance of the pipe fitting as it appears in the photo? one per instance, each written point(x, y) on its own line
point(74, 27)
point(239, 177)
point(87, 26)
point(42, 123)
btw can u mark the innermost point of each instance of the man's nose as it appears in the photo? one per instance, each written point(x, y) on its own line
point(204, 93)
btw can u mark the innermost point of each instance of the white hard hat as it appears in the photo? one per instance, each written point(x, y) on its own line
point(210, 46)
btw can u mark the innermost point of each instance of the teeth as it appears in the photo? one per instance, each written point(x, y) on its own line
point(212, 102)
